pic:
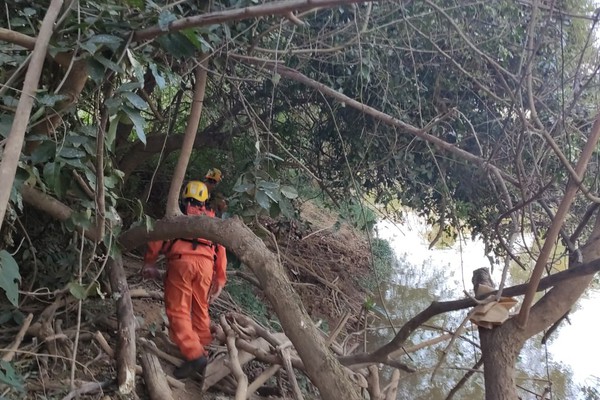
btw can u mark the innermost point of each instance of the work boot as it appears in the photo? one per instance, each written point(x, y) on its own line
point(190, 367)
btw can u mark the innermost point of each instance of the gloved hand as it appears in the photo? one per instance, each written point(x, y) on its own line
point(150, 271)
point(214, 293)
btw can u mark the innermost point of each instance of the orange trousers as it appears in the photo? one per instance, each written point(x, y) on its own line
point(187, 286)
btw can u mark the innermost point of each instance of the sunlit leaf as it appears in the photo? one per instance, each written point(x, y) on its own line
point(289, 192)
point(135, 100)
point(130, 86)
point(138, 122)
point(160, 80)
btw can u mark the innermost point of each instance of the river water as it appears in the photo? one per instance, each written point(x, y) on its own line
point(569, 365)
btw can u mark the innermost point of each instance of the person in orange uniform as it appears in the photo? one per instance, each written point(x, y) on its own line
point(216, 200)
point(196, 275)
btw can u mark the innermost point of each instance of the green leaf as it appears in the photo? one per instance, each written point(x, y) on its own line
point(138, 122)
point(28, 12)
point(273, 194)
point(177, 44)
point(289, 192)
point(138, 70)
point(164, 19)
point(78, 291)
point(9, 376)
point(263, 200)
point(50, 100)
point(108, 63)
point(10, 101)
point(160, 80)
point(52, 176)
point(130, 86)
point(111, 134)
point(268, 185)
point(149, 222)
point(95, 69)
point(71, 152)
point(104, 38)
point(9, 277)
point(44, 152)
point(193, 37)
point(286, 208)
point(244, 187)
point(135, 100)
point(113, 104)
point(5, 124)
point(275, 78)
point(82, 219)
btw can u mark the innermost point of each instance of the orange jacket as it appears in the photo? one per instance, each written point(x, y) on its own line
point(177, 248)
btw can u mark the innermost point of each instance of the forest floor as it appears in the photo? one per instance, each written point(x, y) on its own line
point(327, 263)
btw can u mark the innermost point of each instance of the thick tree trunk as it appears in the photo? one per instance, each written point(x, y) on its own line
point(499, 353)
point(501, 346)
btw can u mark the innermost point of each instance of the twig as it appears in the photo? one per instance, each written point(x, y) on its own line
point(104, 344)
point(464, 379)
point(88, 387)
point(18, 339)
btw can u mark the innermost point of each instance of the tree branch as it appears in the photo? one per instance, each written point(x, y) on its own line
point(272, 8)
point(379, 115)
point(559, 218)
point(190, 136)
point(14, 142)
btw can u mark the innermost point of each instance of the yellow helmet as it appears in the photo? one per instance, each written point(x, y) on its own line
point(195, 190)
point(214, 174)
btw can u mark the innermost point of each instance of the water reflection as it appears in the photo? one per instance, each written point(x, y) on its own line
point(425, 275)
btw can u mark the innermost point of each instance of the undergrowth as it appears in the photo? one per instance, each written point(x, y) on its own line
point(382, 266)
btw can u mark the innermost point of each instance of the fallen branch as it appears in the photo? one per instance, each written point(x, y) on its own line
point(262, 378)
point(392, 388)
point(12, 349)
point(125, 355)
point(174, 383)
point(236, 368)
point(104, 344)
point(151, 346)
point(87, 388)
point(155, 378)
point(140, 293)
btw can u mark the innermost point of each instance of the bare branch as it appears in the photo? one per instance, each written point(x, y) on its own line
point(272, 8)
point(14, 142)
point(559, 218)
